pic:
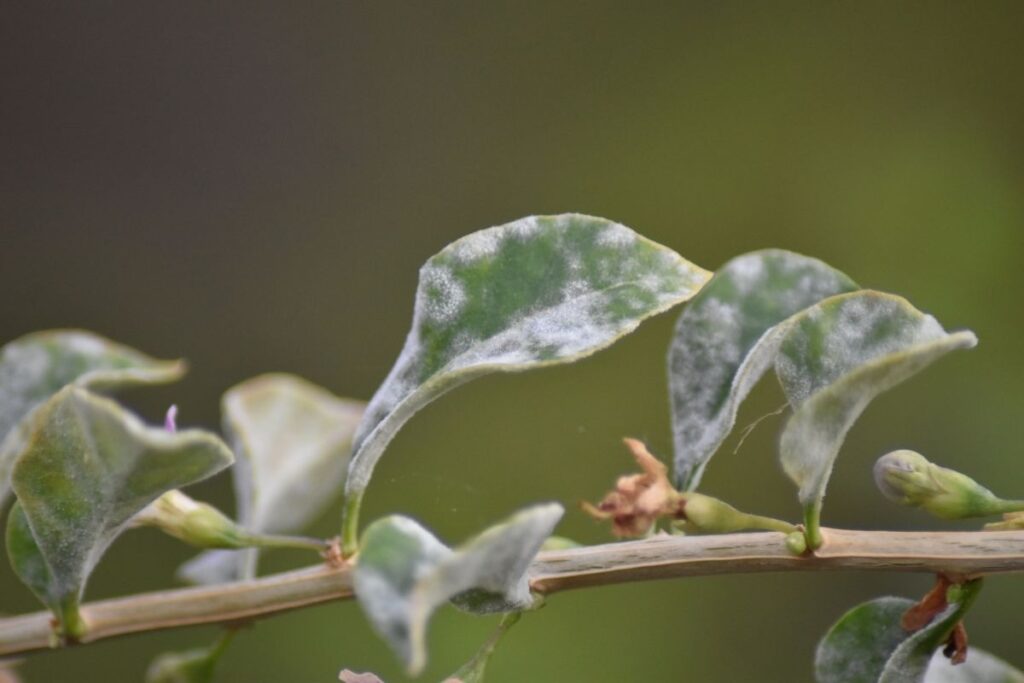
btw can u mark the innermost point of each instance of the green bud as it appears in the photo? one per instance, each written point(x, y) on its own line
point(198, 524)
point(796, 543)
point(908, 478)
point(204, 526)
point(704, 513)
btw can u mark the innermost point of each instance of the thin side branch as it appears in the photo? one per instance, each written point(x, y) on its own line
point(967, 554)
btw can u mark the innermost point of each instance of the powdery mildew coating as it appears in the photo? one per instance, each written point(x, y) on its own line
point(90, 468)
point(980, 667)
point(538, 291)
point(868, 645)
point(404, 573)
point(856, 648)
point(34, 367)
point(835, 360)
point(396, 553)
point(911, 660)
point(832, 340)
point(726, 339)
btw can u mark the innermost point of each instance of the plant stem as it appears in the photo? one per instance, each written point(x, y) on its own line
point(294, 542)
point(1006, 506)
point(967, 554)
point(769, 524)
point(350, 525)
point(812, 525)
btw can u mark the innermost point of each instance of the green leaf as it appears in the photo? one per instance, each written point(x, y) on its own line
point(857, 646)
point(34, 367)
point(403, 573)
point(980, 667)
point(473, 671)
point(196, 665)
point(834, 359)
point(89, 467)
point(536, 292)
point(909, 661)
point(292, 440)
point(868, 644)
point(726, 339)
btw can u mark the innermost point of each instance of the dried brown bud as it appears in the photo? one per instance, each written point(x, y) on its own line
point(638, 499)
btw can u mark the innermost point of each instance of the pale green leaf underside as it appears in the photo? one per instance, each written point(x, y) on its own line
point(34, 367)
point(403, 573)
point(535, 292)
point(868, 645)
point(292, 441)
point(725, 340)
point(835, 359)
point(89, 467)
point(980, 667)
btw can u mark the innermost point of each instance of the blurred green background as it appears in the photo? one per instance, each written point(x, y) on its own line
point(254, 185)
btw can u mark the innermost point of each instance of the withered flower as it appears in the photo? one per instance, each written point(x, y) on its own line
point(638, 499)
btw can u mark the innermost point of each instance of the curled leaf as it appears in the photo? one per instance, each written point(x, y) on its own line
point(835, 358)
point(403, 573)
point(725, 340)
point(910, 660)
point(89, 467)
point(36, 366)
point(869, 644)
point(292, 440)
point(536, 292)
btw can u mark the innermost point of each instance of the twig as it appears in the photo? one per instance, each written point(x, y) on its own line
point(965, 554)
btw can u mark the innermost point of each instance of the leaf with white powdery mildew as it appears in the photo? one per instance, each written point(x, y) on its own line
point(725, 340)
point(89, 467)
point(292, 440)
point(403, 573)
point(911, 659)
point(835, 358)
point(868, 644)
point(36, 366)
point(532, 293)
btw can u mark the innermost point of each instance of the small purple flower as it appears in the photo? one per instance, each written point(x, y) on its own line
point(171, 421)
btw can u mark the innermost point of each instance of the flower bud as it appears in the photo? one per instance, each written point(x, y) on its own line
point(195, 523)
point(704, 513)
point(699, 512)
point(907, 478)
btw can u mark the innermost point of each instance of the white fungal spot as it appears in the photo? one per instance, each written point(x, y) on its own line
point(617, 236)
point(447, 295)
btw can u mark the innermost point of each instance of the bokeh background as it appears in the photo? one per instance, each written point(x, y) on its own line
point(253, 186)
